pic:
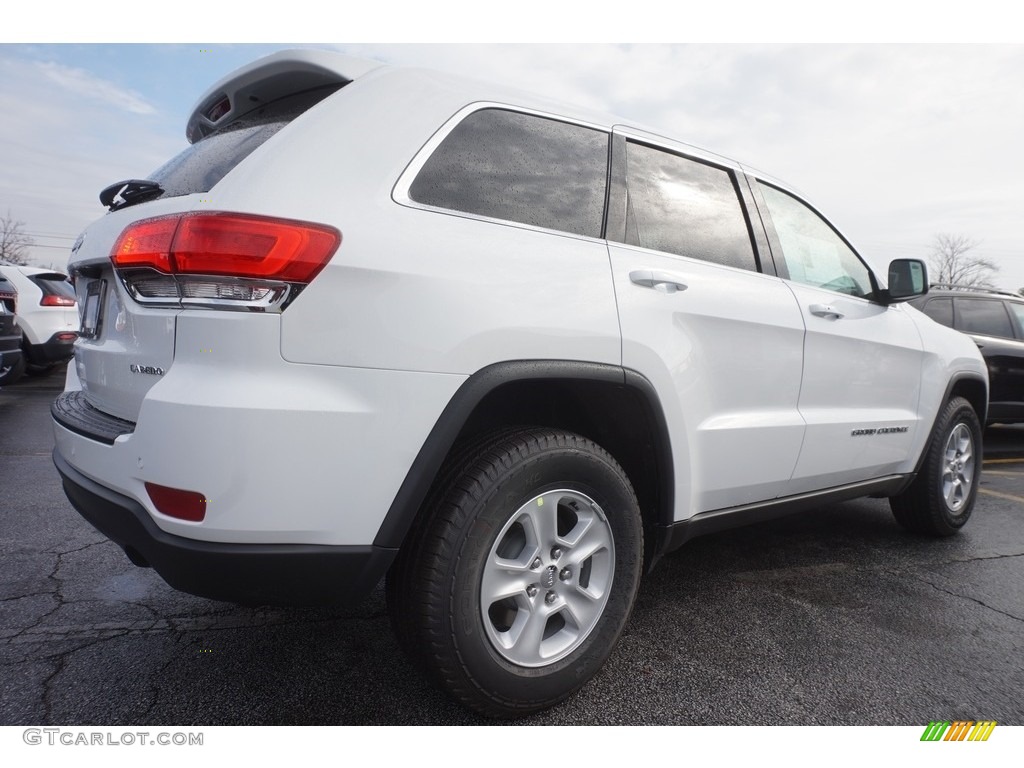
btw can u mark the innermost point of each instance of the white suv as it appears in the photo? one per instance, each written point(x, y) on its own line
point(506, 352)
point(46, 314)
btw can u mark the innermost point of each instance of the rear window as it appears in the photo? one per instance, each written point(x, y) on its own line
point(54, 284)
point(519, 167)
point(201, 165)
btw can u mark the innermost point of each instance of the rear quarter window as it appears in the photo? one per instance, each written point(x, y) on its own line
point(519, 167)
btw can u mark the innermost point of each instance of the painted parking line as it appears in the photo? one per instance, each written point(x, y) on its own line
point(1003, 473)
point(1001, 495)
point(1003, 461)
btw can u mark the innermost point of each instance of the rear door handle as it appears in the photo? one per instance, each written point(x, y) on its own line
point(659, 281)
point(824, 310)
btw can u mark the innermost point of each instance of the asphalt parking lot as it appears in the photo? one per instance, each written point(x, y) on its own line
point(831, 617)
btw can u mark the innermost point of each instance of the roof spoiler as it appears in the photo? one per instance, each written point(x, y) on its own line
point(268, 79)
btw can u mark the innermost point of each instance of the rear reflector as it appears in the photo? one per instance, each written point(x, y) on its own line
point(184, 505)
point(228, 244)
point(56, 300)
point(67, 336)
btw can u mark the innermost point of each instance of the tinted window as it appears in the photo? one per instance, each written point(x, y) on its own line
point(685, 207)
point(984, 316)
point(1018, 311)
point(203, 164)
point(53, 284)
point(813, 252)
point(940, 310)
point(523, 168)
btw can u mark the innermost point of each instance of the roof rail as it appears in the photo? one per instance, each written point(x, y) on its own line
point(975, 288)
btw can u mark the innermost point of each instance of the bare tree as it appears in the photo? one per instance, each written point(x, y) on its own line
point(14, 243)
point(953, 264)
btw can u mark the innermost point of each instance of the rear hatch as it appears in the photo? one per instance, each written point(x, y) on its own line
point(161, 250)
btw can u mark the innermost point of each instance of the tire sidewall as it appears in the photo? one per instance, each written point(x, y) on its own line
point(962, 415)
point(569, 469)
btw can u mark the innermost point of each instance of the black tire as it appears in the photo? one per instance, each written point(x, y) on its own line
point(940, 500)
point(9, 374)
point(535, 648)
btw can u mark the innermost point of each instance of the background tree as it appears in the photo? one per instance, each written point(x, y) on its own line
point(952, 263)
point(14, 243)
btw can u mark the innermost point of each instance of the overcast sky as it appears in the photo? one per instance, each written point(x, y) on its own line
point(894, 143)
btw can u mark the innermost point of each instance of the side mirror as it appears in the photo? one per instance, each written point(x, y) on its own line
point(908, 278)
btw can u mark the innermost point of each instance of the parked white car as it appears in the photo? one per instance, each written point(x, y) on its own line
point(47, 314)
point(506, 352)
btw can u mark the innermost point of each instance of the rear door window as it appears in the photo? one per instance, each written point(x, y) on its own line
point(686, 207)
point(519, 167)
point(987, 317)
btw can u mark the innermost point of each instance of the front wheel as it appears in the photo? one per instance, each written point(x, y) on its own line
point(941, 498)
point(514, 589)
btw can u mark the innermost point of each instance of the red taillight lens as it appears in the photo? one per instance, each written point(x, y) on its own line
point(147, 244)
point(230, 244)
point(56, 300)
point(173, 502)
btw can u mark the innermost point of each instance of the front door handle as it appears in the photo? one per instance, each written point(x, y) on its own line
point(659, 281)
point(824, 310)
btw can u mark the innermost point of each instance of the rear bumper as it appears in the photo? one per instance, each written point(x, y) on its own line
point(253, 574)
point(52, 351)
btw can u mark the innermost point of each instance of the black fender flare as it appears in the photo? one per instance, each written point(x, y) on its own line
point(453, 418)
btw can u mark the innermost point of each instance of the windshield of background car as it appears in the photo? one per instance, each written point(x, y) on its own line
point(200, 166)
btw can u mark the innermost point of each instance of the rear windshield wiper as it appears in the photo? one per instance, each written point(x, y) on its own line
point(129, 192)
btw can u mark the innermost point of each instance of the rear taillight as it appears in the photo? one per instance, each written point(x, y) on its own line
point(224, 260)
point(56, 300)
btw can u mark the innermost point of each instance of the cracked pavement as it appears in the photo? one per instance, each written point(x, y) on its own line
point(834, 616)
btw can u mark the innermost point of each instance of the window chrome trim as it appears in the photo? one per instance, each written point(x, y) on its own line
point(688, 151)
point(400, 192)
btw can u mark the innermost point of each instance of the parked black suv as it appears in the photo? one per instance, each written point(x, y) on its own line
point(996, 323)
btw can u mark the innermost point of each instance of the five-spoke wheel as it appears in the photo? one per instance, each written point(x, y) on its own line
point(514, 588)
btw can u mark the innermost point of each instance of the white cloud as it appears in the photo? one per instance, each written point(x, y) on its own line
point(85, 85)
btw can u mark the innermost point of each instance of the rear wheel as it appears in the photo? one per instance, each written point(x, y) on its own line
point(941, 498)
point(513, 590)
